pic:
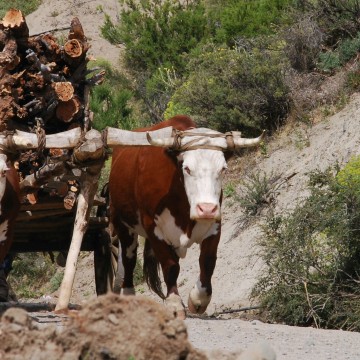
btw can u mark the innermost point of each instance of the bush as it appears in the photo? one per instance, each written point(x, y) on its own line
point(243, 18)
point(228, 89)
point(346, 50)
point(31, 275)
point(110, 100)
point(157, 33)
point(303, 43)
point(255, 193)
point(313, 255)
point(339, 19)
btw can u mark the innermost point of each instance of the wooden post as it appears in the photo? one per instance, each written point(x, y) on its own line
point(88, 186)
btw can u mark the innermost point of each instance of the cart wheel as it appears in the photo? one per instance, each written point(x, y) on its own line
point(106, 254)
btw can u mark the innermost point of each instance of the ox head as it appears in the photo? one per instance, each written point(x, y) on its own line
point(200, 152)
point(3, 165)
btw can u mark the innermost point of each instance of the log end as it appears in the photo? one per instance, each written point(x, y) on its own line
point(13, 18)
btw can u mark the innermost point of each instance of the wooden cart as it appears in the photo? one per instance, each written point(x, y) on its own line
point(45, 119)
point(48, 225)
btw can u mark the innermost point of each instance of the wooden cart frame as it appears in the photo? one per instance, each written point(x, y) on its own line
point(47, 225)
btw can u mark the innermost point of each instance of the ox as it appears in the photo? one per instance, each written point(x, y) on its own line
point(172, 198)
point(9, 208)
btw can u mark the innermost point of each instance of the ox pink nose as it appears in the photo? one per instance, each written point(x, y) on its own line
point(206, 210)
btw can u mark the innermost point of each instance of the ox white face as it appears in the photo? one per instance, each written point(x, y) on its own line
point(203, 171)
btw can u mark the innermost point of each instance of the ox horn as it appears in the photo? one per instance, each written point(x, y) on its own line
point(165, 142)
point(243, 142)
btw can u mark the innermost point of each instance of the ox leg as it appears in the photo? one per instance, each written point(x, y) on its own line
point(169, 262)
point(129, 245)
point(200, 295)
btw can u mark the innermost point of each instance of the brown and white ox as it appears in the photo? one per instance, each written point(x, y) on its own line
point(9, 204)
point(172, 198)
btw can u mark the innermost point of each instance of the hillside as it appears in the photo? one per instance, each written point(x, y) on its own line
point(294, 150)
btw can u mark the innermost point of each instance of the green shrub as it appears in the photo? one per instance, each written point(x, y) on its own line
point(228, 89)
point(345, 51)
point(243, 18)
point(313, 255)
point(349, 48)
point(255, 193)
point(353, 80)
point(339, 19)
point(31, 274)
point(157, 32)
point(329, 61)
point(110, 100)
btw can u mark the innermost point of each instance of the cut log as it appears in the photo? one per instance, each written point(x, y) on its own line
point(8, 57)
point(69, 200)
point(41, 176)
point(91, 149)
point(39, 79)
point(73, 50)
point(67, 111)
point(3, 38)
point(77, 31)
point(64, 90)
point(6, 111)
point(32, 198)
point(14, 20)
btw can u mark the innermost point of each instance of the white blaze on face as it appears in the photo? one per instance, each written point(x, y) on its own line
point(203, 172)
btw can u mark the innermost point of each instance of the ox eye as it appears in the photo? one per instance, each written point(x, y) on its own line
point(224, 170)
point(187, 170)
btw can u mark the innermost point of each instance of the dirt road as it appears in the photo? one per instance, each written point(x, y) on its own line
point(289, 343)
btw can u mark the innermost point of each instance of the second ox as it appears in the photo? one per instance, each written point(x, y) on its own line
point(170, 194)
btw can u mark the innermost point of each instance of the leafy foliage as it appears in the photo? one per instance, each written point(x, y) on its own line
point(110, 101)
point(339, 19)
point(33, 275)
point(243, 18)
point(255, 192)
point(345, 51)
point(157, 33)
point(313, 255)
point(228, 89)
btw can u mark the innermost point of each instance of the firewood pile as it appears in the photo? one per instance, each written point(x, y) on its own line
point(44, 86)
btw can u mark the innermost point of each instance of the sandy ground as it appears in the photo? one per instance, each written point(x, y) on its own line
point(238, 266)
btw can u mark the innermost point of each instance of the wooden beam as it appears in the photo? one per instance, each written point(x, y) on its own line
point(33, 307)
point(41, 176)
point(23, 140)
point(115, 137)
point(88, 186)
